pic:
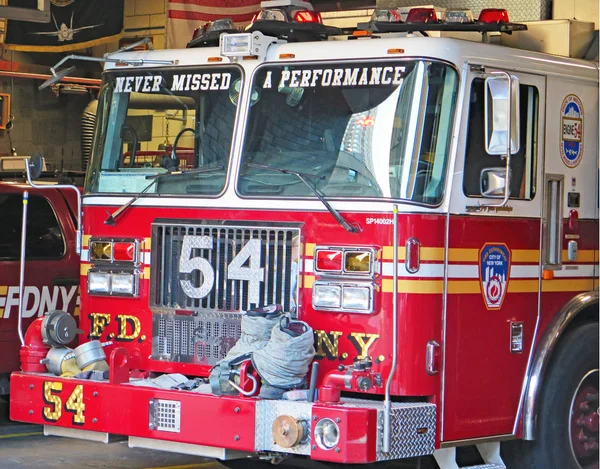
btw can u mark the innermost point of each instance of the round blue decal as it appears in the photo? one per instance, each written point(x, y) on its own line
point(571, 142)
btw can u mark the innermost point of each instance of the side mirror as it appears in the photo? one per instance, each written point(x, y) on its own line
point(501, 98)
point(56, 77)
point(36, 164)
point(493, 183)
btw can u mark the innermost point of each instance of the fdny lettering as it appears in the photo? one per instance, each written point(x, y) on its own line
point(129, 328)
point(187, 82)
point(37, 301)
point(327, 344)
point(326, 77)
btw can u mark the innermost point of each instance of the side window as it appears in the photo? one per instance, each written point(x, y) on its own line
point(44, 237)
point(522, 164)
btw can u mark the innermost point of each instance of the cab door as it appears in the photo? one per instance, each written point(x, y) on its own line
point(493, 271)
point(51, 267)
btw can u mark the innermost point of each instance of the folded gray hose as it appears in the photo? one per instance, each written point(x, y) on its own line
point(285, 360)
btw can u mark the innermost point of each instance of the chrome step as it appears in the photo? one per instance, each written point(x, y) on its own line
point(490, 453)
point(485, 466)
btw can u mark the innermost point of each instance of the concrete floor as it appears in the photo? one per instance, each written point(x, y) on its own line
point(24, 447)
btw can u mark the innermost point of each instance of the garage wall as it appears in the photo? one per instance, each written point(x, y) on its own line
point(44, 123)
point(50, 124)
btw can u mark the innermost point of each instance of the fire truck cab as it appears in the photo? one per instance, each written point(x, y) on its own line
point(426, 206)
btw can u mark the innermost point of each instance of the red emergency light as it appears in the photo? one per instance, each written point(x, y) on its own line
point(307, 16)
point(329, 260)
point(124, 251)
point(493, 15)
point(422, 15)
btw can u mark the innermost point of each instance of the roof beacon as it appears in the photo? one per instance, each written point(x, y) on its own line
point(289, 11)
point(388, 16)
point(208, 34)
point(422, 15)
point(493, 15)
point(286, 3)
point(458, 15)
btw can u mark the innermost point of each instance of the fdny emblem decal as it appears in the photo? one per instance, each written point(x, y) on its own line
point(494, 269)
point(571, 142)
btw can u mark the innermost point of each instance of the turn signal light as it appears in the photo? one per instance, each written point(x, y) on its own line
point(358, 261)
point(349, 260)
point(307, 16)
point(329, 260)
point(114, 251)
point(101, 251)
point(493, 15)
point(422, 15)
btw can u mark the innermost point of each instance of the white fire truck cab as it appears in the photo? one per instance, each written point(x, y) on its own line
point(425, 207)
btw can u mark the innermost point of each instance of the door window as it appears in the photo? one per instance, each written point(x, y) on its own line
point(522, 164)
point(45, 239)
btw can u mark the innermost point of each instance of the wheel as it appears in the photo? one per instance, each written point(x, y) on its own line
point(567, 426)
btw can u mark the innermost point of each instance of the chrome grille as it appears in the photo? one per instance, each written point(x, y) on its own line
point(279, 255)
point(204, 338)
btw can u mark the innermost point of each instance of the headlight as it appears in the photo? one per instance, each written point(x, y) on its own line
point(327, 434)
point(351, 298)
point(356, 298)
point(113, 283)
point(327, 296)
point(98, 282)
point(236, 44)
point(123, 284)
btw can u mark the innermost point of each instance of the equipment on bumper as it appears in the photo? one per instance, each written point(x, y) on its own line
point(272, 348)
point(256, 330)
point(284, 362)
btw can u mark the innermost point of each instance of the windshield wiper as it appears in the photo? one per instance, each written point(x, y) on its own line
point(155, 178)
point(184, 172)
point(303, 176)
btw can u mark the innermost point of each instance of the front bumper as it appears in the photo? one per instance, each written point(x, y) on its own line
point(216, 426)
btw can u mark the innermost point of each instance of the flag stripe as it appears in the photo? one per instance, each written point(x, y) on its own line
point(223, 12)
point(219, 3)
point(202, 16)
point(184, 16)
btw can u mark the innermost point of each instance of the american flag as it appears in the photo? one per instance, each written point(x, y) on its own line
point(183, 16)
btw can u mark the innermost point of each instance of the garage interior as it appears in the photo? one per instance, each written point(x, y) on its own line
point(58, 123)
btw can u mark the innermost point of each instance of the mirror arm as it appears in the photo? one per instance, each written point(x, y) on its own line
point(60, 186)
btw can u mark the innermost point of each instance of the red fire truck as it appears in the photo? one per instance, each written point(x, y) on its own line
point(51, 269)
point(426, 206)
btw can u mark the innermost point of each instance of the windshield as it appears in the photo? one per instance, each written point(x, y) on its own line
point(361, 129)
point(153, 122)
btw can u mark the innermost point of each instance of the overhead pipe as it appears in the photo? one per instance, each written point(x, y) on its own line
point(41, 76)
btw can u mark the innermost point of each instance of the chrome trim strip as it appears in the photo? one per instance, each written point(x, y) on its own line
point(476, 441)
point(543, 353)
point(387, 403)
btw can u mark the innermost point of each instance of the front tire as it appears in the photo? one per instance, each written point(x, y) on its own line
point(567, 425)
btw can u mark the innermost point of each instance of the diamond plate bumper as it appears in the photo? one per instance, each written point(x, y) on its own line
point(361, 429)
